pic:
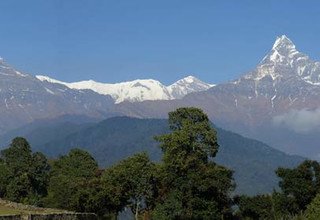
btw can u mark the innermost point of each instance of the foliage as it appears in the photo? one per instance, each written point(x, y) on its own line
point(69, 179)
point(187, 184)
point(117, 138)
point(131, 183)
point(24, 176)
point(4, 178)
point(256, 207)
point(192, 185)
point(313, 209)
point(298, 186)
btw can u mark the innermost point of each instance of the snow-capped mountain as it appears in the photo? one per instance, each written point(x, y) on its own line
point(138, 90)
point(283, 74)
point(279, 98)
point(275, 102)
point(187, 85)
point(285, 61)
point(25, 98)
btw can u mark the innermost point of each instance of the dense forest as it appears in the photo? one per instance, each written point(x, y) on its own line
point(185, 184)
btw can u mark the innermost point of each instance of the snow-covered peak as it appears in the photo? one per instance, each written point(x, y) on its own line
point(188, 79)
point(187, 85)
point(137, 90)
point(133, 91)
point(283, 42)
point(284, 62)
point(283, 52)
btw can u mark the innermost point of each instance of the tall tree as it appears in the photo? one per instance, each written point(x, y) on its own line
point(298, 186)
point(131, 183)
point(26, 173)
point(69, 177)
point(313, 209)
point(4, 178)
point(193, 186)
point(256, 207)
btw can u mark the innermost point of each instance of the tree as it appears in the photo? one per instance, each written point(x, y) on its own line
point(4, 178)
point(25, 174)
point(313, 209)
point(18, 157)
point(69, 177)
point(192, 186)
point(298, 186)
point(131, 183)
point(256, 207)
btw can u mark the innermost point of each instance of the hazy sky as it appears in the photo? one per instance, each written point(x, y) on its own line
point(115, 40)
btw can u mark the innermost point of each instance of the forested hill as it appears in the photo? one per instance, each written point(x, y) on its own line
point(117, 138)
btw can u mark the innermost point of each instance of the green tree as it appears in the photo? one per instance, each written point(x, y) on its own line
point(193, 186)
point(256, 207)
point(131, 183)
point(4, 178)
point(313, 209)
point(26, 173)
point(69, 179)
point(298, 186)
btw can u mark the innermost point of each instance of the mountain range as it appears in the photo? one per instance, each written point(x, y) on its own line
point(25, 98)
point(277, 102)
point(137, 90)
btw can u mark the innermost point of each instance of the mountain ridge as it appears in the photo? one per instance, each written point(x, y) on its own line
point(138, 90)
point(24, 98)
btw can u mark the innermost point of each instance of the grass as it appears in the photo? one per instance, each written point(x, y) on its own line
point(8, 208)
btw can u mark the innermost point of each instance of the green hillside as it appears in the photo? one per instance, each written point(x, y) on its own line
point(117, 138)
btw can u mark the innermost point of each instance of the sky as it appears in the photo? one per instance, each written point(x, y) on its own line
point(115, 40)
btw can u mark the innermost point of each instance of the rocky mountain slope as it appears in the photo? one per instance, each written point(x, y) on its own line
point(24, 98)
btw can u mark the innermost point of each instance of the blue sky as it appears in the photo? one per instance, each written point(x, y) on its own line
point(115, 40)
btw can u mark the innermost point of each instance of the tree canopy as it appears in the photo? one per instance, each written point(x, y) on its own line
point(192, 185)
point(298, 186)
point(69, 177)
point(23, 174)
point(131, 183)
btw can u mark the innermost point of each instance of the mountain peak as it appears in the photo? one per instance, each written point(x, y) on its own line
point(283, 51)
point(285, 61)
point(187, 85)
point(2, 62)
point(283, 42)
point(190, 77)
